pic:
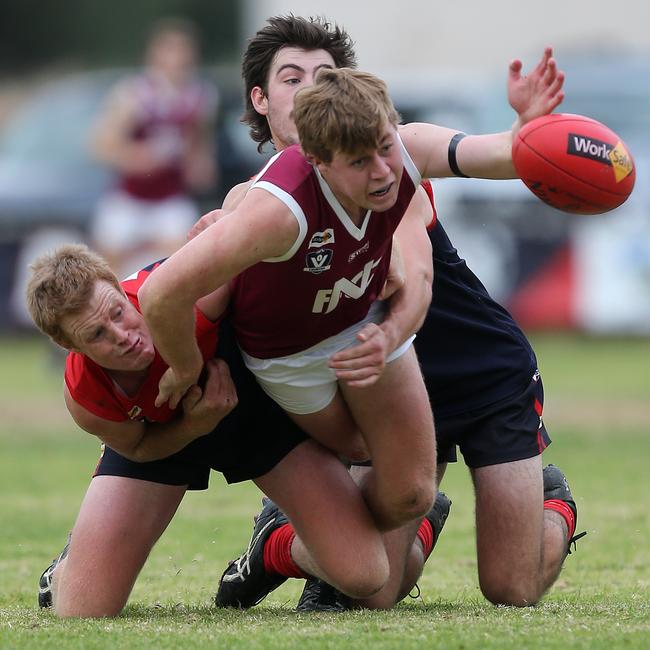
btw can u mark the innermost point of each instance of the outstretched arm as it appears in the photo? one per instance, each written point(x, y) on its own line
point(260, 228)
point(488, 156)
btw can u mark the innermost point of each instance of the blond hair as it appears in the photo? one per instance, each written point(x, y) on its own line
point(61, 284)
point(344, 111)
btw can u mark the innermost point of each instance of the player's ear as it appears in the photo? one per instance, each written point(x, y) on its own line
point(312, 160)
point(260, 100)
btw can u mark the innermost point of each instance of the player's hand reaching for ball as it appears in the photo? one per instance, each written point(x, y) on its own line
point(537, 93)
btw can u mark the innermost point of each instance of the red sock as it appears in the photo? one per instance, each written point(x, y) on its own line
point(427, 537)
point(277, 554)
point(563, 508)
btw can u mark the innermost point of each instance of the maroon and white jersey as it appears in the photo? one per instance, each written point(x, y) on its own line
point(166, 117)
point(331, 275)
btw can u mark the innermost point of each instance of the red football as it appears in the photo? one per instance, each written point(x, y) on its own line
point(574, 163)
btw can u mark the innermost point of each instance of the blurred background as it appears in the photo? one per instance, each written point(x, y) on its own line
point(444, 62)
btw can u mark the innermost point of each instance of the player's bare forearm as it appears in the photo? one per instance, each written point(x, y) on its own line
point(489, 156)
point(171, 321)
point(408, 309)
point(139, 441)
point(486, 156)
point(156, 442)
point(408, 306)
point(167, 301)
point(262, 227)
point(478, 156)
point(200, 412)
point(362, 364)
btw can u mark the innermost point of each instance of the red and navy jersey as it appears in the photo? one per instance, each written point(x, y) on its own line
point(91, 387)
point(471, 351)
point(166, 120)
point(428, 188)
point(333, 273)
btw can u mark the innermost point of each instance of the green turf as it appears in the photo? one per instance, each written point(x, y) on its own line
point(602, 599)
point(595, 368)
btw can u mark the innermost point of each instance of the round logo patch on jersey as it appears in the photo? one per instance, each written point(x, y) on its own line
point(319, 261)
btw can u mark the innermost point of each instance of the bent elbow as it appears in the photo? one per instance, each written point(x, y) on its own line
point(150, 298)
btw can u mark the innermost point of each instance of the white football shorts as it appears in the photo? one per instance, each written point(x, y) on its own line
point(302, 383)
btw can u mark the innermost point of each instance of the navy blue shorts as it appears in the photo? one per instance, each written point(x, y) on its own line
point(246, 444)
point(508, 430)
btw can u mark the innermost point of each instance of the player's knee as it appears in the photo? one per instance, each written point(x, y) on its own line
point(85, 609)
point(414, 500)
point(382, 600)
point(364, 580)
point(85, 603)
point(356, 450)
point(360, 573)
point(513, 594)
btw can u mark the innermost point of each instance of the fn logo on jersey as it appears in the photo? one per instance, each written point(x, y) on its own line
point(327, 300)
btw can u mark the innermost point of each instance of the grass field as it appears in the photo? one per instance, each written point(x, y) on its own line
point(597, 396)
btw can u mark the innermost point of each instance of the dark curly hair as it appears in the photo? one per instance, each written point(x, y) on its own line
point(314, 33)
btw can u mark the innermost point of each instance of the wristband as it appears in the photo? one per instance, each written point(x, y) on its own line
point(451, 155)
